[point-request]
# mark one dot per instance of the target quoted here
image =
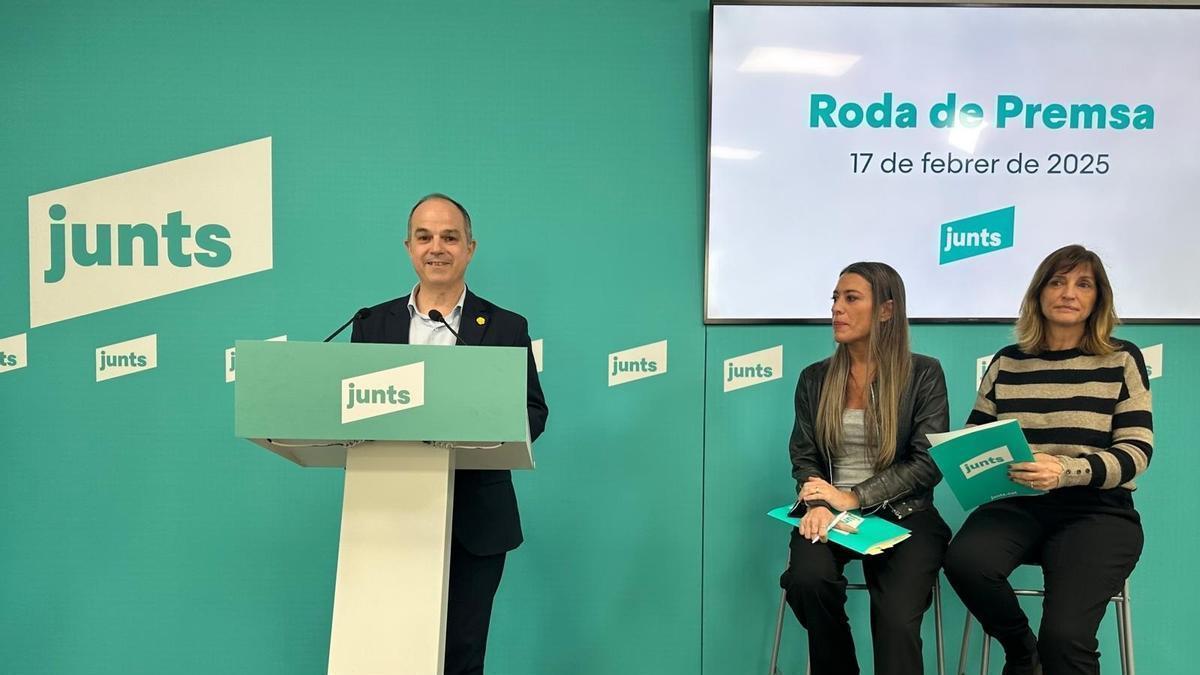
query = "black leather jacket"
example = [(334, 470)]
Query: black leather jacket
[(905, 486)]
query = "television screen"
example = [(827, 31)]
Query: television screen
[(961, 145)]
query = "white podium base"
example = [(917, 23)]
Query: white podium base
[(389, 606)]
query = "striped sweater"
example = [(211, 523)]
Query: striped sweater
[(1091, 412)]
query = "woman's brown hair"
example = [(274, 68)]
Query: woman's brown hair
[(1031, 323)]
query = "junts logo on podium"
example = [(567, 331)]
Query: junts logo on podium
[(383, 392), (149, 232)]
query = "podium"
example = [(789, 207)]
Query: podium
[(400, 419)]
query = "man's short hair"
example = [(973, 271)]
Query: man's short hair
[(438, 195)]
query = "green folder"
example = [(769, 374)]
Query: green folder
[(975, 461), (874, 536)]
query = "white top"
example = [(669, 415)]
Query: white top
[(423, 330), (854, 462)]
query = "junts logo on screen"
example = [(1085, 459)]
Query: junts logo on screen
[(150, 232), (976, 235), (985, 460)]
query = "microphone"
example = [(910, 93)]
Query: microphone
[(358, 316), (437, 316)]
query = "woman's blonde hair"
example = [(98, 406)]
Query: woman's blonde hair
[(891, 359), (1031, 323)]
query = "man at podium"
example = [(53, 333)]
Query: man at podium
[(440, 310)]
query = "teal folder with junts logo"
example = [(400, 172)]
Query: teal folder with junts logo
[(974, 461), (872, 536)]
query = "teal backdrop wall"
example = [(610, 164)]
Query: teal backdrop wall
[(138, 536)]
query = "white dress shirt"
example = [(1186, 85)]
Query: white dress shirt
[(423, 330)]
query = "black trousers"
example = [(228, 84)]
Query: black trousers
[(473, 583), (1087, 544), (900, 581)]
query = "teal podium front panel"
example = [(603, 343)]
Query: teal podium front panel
[(337, 391)]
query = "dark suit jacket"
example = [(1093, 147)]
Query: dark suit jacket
[(486, 520)]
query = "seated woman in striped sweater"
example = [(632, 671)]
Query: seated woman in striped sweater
[(1083, 399)]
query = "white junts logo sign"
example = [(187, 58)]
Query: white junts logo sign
[(126, 358), (637, 363), (231, 358), (754, 368), (981, 366), (536, 347), (14, 353), (150, 232), (1154, 360)]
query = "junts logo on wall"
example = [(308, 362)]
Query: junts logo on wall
[(1154, 360), (150, 232), (231, 359), (754, 368), (126, 358), (637, 363), (13, 353)]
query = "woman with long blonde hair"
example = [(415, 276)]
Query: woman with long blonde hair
[(859, 442)]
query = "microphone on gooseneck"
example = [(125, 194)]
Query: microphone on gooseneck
[(437, 316), (358, 316)]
